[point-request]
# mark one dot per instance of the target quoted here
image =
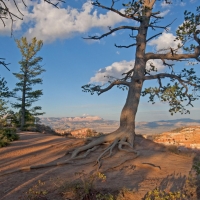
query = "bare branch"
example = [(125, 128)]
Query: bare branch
[(116, 82), (112, 31), (162, 27), (154, 14), (128, 74), (11, 15), (18, 8), (96, 3), (4, 64), (92, 89), (54, 4), (170, 56), (153, 37), (128, 46)]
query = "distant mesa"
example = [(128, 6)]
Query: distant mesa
[(105, 126), (185, 138)]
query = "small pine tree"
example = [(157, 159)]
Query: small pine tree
[(28, 77), (4, 95)]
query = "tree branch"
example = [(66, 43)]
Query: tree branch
[(162, 27), (170, 56), (91, 88), (166, 75), (4, 64), (96, 3), (174, 94), (128, 46), (112, 31), (153, 37), (5, 11)]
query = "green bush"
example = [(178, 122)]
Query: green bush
[(158, 194), (7, 135)]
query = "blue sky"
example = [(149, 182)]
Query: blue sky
[(71, 61)]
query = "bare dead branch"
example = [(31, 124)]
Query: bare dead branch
[(128, 46), (112, 31), (153, 37), (128, 74), (154, 14), (169, 55), (55, 4), (116, 82), (162, 27), (4, 64), (18, 7), (96, 3), (12, 15)]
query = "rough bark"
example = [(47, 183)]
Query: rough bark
[(23, 103)]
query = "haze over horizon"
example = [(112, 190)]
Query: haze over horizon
[(71, 61)]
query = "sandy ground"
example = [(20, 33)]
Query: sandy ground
[(155, 167)]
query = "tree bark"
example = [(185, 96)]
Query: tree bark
[(23, 102), (128, 114)]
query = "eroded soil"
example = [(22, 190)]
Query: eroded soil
[(155, 167)]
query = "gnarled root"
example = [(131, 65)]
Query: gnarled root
[(116, 138)]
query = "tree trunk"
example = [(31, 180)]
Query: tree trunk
[(23, 103), (128, 114)]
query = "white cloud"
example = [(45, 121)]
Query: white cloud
[(165, 42), (117, 52), (115, 70), (162, 14), (49, 23), (157, 63), (118, 68)]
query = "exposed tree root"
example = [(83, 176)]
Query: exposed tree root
[(151, 164), (116, 138)]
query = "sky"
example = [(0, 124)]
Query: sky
[(71, 61)]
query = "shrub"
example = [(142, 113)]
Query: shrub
[(7, 135), (158, 194)]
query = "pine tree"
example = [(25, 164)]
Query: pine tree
[(28, 77), (4, 95)]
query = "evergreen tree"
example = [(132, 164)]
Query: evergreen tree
[(28, 77), (4, 95)]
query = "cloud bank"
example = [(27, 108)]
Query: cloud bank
[(49, 23)]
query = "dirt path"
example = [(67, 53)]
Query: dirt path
[(155, 167)]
